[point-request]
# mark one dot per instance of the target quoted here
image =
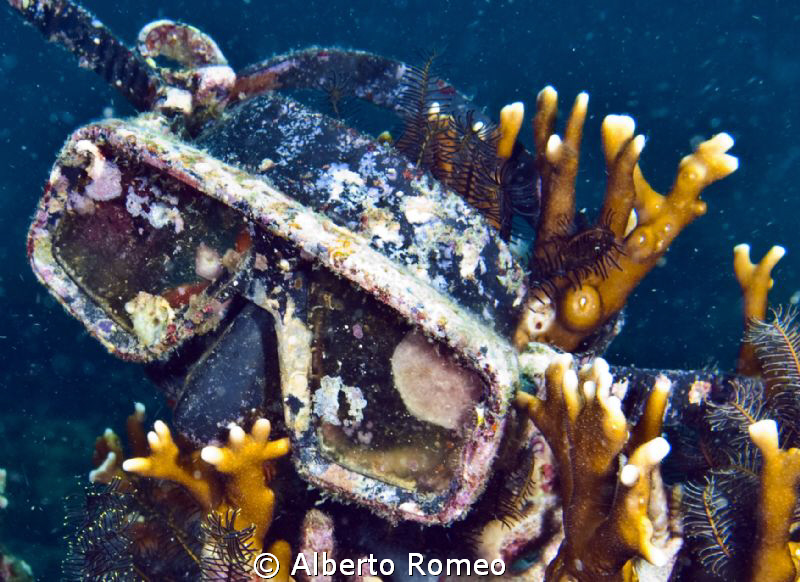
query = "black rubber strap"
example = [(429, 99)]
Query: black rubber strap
[(369, 76), (96, 47)]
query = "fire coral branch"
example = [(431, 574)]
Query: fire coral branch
[(606, 521), (585, 276)]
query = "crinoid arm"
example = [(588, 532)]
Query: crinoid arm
[(741, 517), (777, 345), (227, 552), (585, 285), (709, 522), (423, 109)]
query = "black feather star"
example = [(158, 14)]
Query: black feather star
[(721, 509), (421, 105), (228, 552), (709, 522), (339, 99), (460, 150), (746, 406), (777, 345), (99, 545), (470, 166), (575, 254), (146, 530)]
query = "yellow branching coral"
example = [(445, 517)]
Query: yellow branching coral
[(108, 454), (166, 462), (643, 223), (243, 460), (606, 521), (219, 478), (775, 558), (755, 281), (510, 123)]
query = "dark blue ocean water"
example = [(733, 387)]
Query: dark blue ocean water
[(683, 70)]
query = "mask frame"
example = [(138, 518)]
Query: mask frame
[(317, 238)]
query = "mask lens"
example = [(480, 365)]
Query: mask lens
[(389, 403), (129, 229)]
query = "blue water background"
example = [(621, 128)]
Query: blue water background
[(683, 70)]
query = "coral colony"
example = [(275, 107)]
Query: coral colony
[(361, 324)]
